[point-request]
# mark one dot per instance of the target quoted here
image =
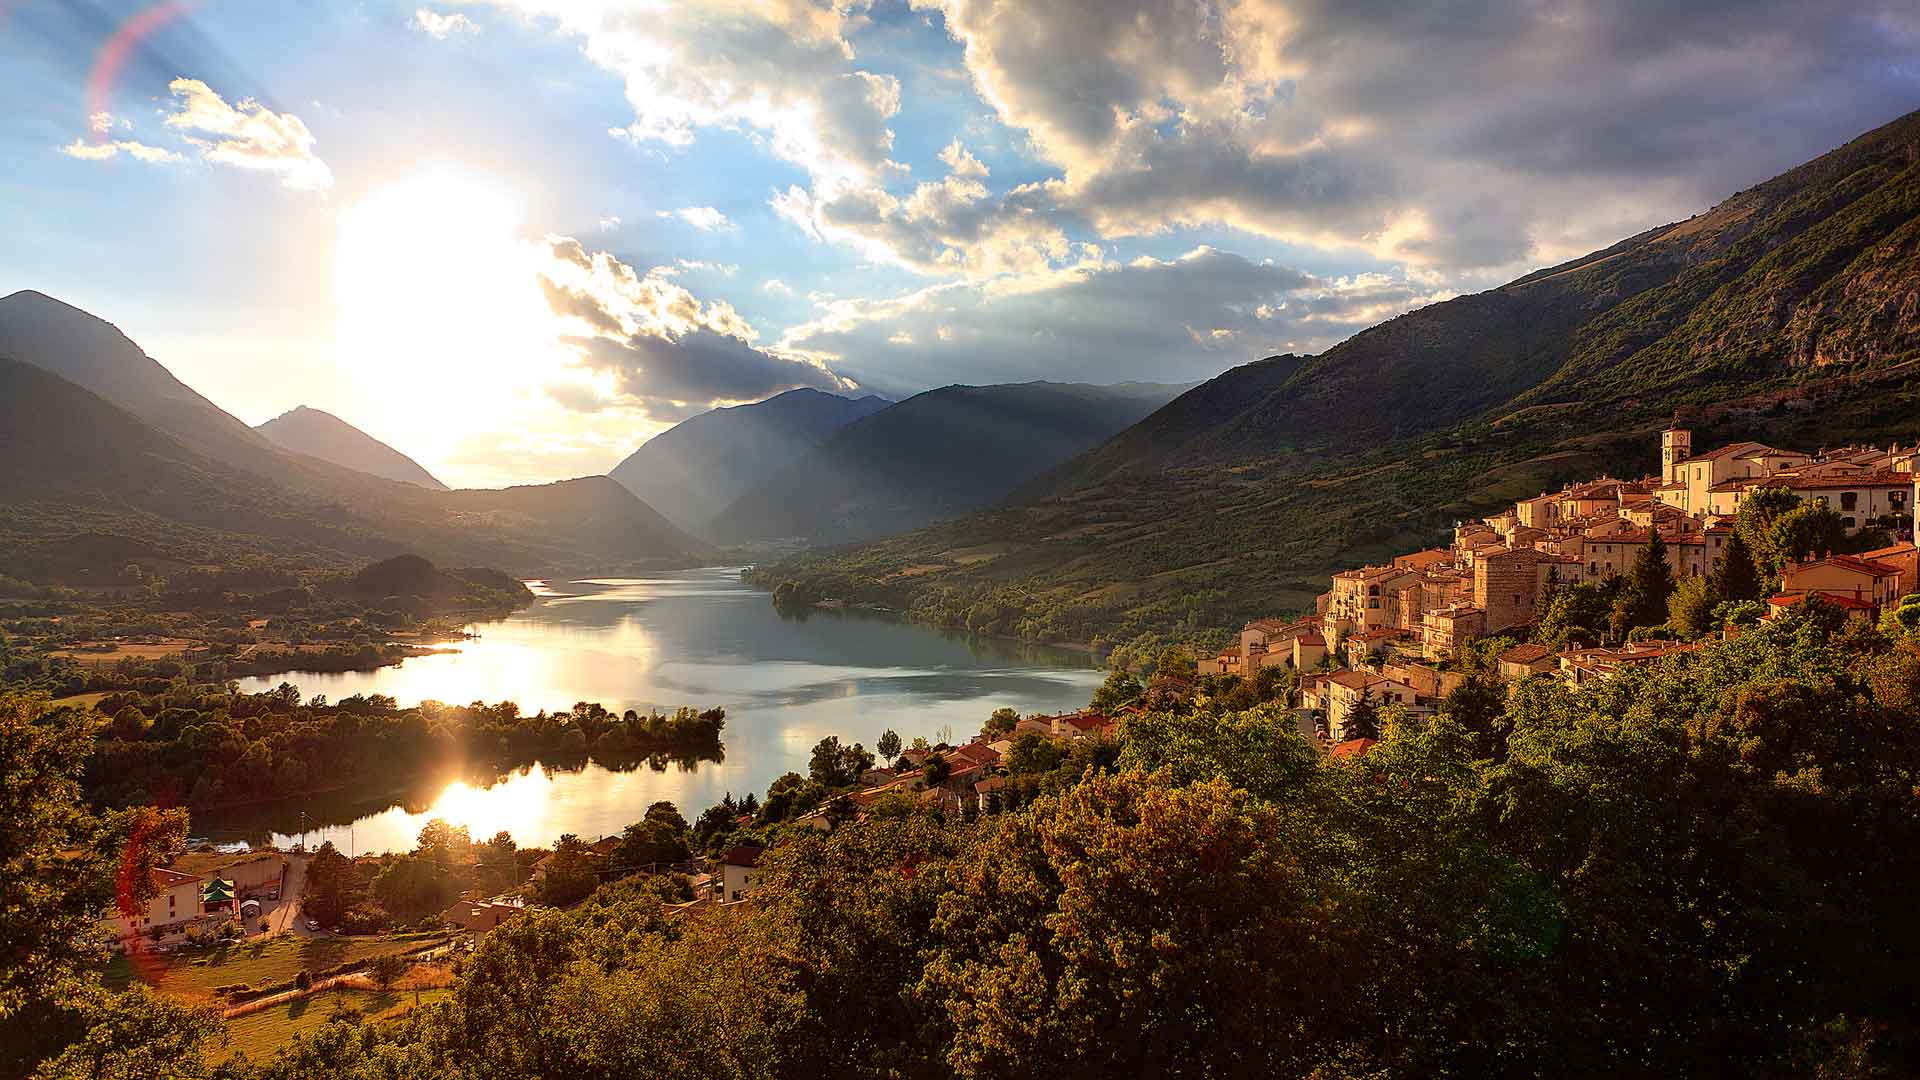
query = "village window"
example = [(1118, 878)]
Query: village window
[(1849, 500), (1896, 496), (1847, 522)]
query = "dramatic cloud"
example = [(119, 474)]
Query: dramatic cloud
[(434, 24), (248, 135), (1149, 319), (1448, 136), (782, 68), (704, 218), (666, 353)]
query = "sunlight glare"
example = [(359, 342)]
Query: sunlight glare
[(441, 314)]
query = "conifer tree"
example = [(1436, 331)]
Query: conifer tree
[(1735, 577), (1363, 718)]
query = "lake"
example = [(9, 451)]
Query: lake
[(695, 637)]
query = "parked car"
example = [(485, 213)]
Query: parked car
[(313, 926)]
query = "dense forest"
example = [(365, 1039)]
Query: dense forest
[(1702, 866), (207, 747)]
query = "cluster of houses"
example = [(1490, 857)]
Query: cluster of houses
[(181, 899), (1386, 632)]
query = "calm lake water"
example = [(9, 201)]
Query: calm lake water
[(696, 637)]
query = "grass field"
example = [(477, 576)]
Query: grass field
[(81, 699), (265, 962), (259, 1034)]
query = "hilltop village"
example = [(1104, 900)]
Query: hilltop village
[(1389, 635)]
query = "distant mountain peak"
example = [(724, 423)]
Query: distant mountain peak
[(694, 470), (320, 434)]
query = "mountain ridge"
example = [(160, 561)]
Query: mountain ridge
[(320, 434), (220, 472), (693, 470), (1786, 312), (937, 454)]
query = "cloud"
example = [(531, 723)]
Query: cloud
[(1459, 138), (947, 226), (610, 223), (434, 24), (247, 135), (776, 286), (103, 151), (660, 349), (1148, 319), (783, 68), (704, 218)]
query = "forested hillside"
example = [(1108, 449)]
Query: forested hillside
[(1660, 874), (1790, 312)]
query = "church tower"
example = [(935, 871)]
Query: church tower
[(1676, 446)]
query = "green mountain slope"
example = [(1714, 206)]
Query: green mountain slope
[(1791, 312), (695, 469), (325, 436), (935, 455)]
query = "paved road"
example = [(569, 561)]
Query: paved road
[(284, 914)]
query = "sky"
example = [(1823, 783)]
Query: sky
[(517, 238)]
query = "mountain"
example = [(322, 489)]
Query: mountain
[(933, 456), (93, 353), (132, 452), (1790, 312), (693, 470), (329, 438)]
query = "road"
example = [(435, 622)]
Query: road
[(284, 914)]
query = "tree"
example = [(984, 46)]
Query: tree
[(413, 885), (1120, 689), (387, 968), (938, 769), (571, 872), (1808, 531), (1033, 753), (1577, 616), (61, 866), (1759, 509), (889, 745), (1001, 723), (334, 885), (836, 766), (1643, 597), (1690, 608), (1479, 706), (1735, 577), (1363, 718), (442, 844)]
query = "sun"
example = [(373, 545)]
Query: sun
[(441, 317)]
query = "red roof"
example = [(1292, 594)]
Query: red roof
[(742, 855), (1846, 603), (1864, 566), (1526, 654), (167, 879), (1352, 748)]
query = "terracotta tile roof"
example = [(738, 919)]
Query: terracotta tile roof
[(1854, 563), (166, 879), (742, 855), (1848, 603), (1352, 748), (1526, 654)]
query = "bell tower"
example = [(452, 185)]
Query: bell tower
[(1676, 446)]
